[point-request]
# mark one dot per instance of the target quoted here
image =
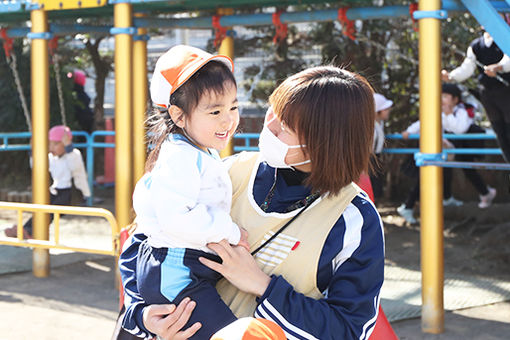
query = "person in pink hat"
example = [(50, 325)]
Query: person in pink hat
[(82, 110), (183, 201), (65, 165)]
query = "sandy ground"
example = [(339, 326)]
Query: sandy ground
[(79, 301)]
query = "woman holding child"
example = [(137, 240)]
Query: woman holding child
[(316, 239)]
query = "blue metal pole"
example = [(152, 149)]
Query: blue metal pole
[(456, 5), (489, 18), (258, 19), (90, 168), (468, 165)]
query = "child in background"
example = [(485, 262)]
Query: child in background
[(65, 165), (183, 201), (458, 119), (382, 114), (455, 120)]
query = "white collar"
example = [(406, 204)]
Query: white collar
[(487, 39)]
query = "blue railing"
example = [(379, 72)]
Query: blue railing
[(89, 145), (250, 140)]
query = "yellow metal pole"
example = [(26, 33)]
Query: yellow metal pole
[(123, 114), (227, 48), (431, 177), (140, 86), (40, 123)]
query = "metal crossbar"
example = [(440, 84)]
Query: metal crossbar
[(57, 211), (469, 165)]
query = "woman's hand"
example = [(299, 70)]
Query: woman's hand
[(166, 320), (238, 267)]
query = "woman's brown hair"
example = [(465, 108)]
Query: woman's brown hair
[(332, 110), (214, 76)]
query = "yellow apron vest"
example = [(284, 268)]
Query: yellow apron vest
[(294, 254)]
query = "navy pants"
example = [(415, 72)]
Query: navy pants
[(63, 197), (168, 275)]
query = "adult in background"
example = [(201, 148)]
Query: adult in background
[(84, 114), (483, 54)]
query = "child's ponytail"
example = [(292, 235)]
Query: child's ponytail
[(160, 125)]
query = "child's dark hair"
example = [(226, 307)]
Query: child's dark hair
[(452, 89), (214, 76)]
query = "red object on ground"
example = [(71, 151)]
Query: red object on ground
[(124, 234), (109, 157), (365, 184), (383, 330)]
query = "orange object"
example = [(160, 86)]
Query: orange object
[(109, 157), (347, 25), (250, 329), (175, 67), (281, 29), (383, 330)]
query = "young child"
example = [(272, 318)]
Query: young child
[(65, 165), (382, 114), (183, 201)]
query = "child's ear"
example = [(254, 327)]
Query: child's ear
[(177, 116)]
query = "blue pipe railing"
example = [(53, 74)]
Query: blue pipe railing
[(249, 138), (257, 19), (89, 145), (90, 157)]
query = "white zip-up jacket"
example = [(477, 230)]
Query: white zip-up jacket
[(66, 168), (457, 122), (185, 201)]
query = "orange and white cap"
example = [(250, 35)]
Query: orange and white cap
[(175, 67), (250, 329)]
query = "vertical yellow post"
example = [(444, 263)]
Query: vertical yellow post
[(227, 48), (40, 123), (123, 114), (140, 86), (431, 177)]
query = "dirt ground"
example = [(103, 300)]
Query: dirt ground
[(476, 242)]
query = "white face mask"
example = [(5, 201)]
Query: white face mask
[(273, 150)]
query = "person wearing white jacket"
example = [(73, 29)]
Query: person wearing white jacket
[(457, 120), (66, 166), (183, 201)]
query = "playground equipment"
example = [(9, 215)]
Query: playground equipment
[(126, 29), (57, 211)]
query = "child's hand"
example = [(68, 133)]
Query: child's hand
[(243, 241), (405, 135), (445, 75), (66, 140)]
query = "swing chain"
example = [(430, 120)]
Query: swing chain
[(53, 44), (56, 65), (13, 64)]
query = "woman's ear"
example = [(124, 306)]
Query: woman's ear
[(177, 116)]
